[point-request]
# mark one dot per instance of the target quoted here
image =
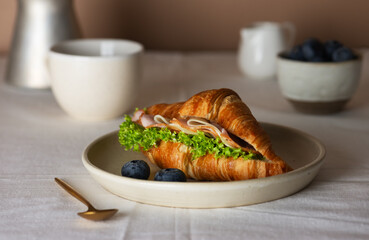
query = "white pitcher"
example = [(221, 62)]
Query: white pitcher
[(260, 45), (39, 25)]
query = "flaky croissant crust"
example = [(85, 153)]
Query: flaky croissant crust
[(226, 108), (177, 155)]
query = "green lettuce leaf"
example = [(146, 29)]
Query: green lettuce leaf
[(135, 137)]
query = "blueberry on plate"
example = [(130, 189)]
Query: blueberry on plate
[(170, 175), (342, 54), (330, 47), (312, 49), (296, 53), (136, 169)]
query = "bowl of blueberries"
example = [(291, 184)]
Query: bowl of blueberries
[(318, 77)]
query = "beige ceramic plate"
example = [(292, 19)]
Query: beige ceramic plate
[(104, 157)]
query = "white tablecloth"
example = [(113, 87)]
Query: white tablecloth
[(38, 142)]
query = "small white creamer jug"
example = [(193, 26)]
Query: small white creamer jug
[(260, 45)]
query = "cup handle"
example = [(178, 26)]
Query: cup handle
[(290, 30)]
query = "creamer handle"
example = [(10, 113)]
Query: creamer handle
[(290, 30)]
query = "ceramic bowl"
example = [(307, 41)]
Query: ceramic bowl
[(318, 88), (95, 79)]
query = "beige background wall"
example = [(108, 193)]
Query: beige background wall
[(207, 24)]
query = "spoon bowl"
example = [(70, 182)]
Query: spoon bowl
[(98, 215), (92, 213)]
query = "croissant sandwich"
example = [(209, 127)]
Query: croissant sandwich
[(211, 136)]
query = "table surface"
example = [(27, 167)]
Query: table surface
[(38, 142)]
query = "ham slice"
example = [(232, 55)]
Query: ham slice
[(191, 126)]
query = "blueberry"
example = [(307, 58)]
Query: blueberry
[(170, 175), (312, 48), (342, 54), (136, 169), (330, 47), (296, 53)]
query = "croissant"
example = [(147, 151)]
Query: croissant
[(223, 108)]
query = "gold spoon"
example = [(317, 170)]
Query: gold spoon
[(91, 213)]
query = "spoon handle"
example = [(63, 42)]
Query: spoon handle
[(73, 192)]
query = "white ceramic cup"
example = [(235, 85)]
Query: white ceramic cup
[(95, 79)]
